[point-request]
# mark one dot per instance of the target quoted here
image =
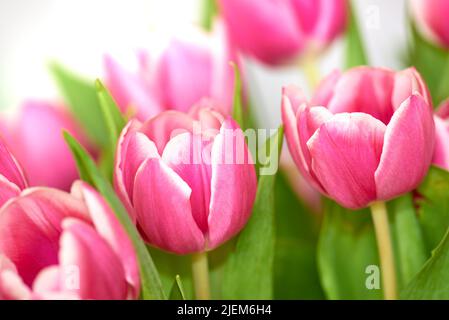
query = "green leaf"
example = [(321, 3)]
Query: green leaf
[(151, 285), (177, 291), (408, 242), (297, 229), (82, 99), (209, 10), (237, 112), (248, 274), (433, 206), (432, 282), (347, 247), (422, 52), (355, 50), (111, 114)]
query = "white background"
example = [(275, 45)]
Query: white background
[(78, 32)]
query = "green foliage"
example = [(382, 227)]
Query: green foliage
[(355, 51)]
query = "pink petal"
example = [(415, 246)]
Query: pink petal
[(345, 154), (130, 91), (8, 190), (408, 149), (441, 153), (162, 206), (364, 89), (165, 126), (112, 231), (267, 30), (30, 226), (93, 269), (325, 91), (189, 156), (406, 83), (233, 185), (12, 286), (10, 169), (120, 157), (179, 62)]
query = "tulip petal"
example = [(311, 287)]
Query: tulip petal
[(324, 92), (233, 185), (12, 287), (8, 190), (189, 156), (30, 227), (162, 206), (408, 149), (441, 153), (93, 270), (406, 83), (165, 126), (112, 231), (364, 89), (10, 169), (130, 91), (345, 154)]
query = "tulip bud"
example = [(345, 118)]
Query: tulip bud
[(12, 178), (441, 154), (56, 245), (368, 134), (431, 17), (165, 82), (188, 180), (35, 137), (277, 31)]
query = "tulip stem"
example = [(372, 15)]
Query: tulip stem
[(200, 271), (381, 226), (309, 63)]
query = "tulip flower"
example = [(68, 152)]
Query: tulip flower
[(35, 138), (431, 17), (188, 180), (12, 178), (56, 245), (441, 154), (277, 31), (188, 70), (367, 136)]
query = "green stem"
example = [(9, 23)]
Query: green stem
[(309, 64), (381, 226), (200, 271)]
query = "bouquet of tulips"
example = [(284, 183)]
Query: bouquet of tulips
[(159, 183)]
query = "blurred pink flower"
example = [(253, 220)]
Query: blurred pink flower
[(55, 245), (368, 134), (441, 155), (277, 31), (188, 180), (35, 138), (432, 19), (188, 70), (12, 178)]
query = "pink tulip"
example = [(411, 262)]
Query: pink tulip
[(441, 154), (277, 31), (12, 178), (431, 17), (35, 137), (56, 245), (367, 135), (188, 70), (188, 180)]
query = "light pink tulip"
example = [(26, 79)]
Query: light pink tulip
[(188, 70), (56, 245), (35, 138), (367, 135), (277, 31), (12, 178), (431, 17), (441, 155), (188, 180)]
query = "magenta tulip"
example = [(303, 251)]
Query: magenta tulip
[(277, 31), (188, 180), (431, 17), (12, 178), (367, 135), (56, 245), (35, 138), (188, 70)]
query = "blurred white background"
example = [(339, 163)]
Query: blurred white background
[(78, 32)]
